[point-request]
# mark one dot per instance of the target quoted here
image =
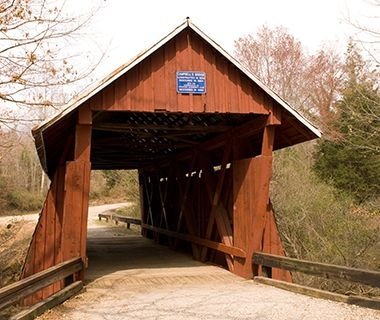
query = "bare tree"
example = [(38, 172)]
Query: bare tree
[(309, 82), (368, 31), (322, 82), (276, 57), (34, 57)]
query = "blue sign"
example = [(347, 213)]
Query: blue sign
[(191, 82)]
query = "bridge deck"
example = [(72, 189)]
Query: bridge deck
[(130, 277)]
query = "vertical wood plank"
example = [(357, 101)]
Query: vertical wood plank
[(120, 93), (160, 91), (272, 244), (50, 245), (169, 75), (143, 215), (147, 103), (183, 63), (209, 67), (86, 173), (59, 198), (197, 64)]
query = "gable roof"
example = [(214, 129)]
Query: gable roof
[(87, 94), (49, 145)]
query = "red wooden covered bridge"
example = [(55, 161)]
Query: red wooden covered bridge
[(200, 130)]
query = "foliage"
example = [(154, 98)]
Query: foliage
[(113, 177), (351, 161), (316, 222), (130, 211), (22, 200), (22, 181), (114, 185)]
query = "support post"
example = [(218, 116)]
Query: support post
[(61, 231), (77, 188), (251, 178)]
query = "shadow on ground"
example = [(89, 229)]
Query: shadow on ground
[(112, 249)]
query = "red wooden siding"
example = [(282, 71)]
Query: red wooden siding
[(61, 231), (45, 249), (272, 244), (151, 85)]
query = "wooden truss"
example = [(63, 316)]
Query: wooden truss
[(222, 205)]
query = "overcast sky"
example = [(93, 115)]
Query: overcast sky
[(124, 28)]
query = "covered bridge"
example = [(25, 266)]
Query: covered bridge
[(200, 130)]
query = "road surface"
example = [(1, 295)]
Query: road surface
[(130, 277)]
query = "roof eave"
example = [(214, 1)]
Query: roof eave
[(77, 101)]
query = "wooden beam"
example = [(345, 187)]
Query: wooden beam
[(200, 241), (75, 211), (149, 197), (299, 127), (141, 176), (272, 244), (127, 127), (268, 141), (319, 269), (25, 287), (275, 115), (49, 303), (245, 130), (85, 115), (82, 146), (185, 193), (163, 216), (372, 303), (215, 198), (184, 211), (251, 200)]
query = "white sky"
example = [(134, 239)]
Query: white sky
[(124, 28)]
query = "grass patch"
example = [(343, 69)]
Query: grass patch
[(129, 211)]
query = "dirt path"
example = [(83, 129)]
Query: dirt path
[(16, 233), (92, 214), (130, 277)]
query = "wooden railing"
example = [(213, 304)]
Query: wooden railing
[(329, 271), (19, 290), (237, 252), (119, 218)]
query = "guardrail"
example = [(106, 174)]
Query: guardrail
[(19, 290), (329, 271), (119, 218)]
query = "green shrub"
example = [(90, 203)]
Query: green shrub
[(130, 211), (24, 200), (114, 185), (319, 223)]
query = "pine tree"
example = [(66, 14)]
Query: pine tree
[(351, 161)]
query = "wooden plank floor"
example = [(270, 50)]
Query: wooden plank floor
[(145, 264)]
